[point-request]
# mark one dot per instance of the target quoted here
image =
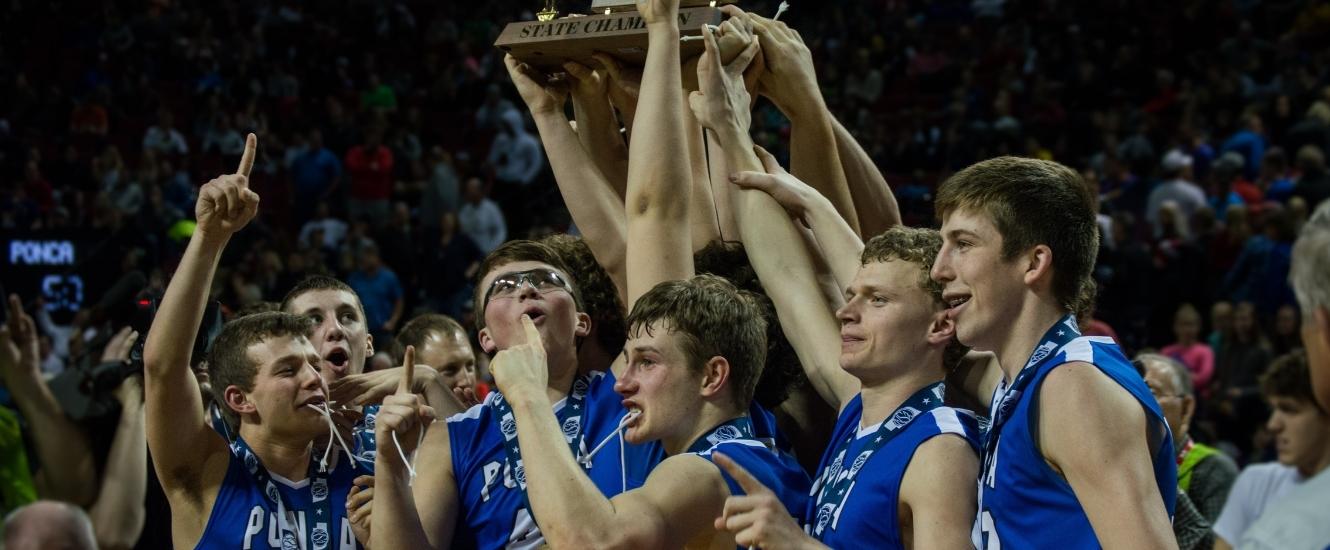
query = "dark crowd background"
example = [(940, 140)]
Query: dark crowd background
[(394, 153)]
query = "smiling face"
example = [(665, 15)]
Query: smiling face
[(886, 321), (983, 290), (659, 383), (553, 310), (286, 381), (340, 335)]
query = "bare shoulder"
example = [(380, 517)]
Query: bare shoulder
[(1087, 418), (688, 469), (1082, 387), (943, 461)]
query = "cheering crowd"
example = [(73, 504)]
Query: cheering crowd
[(731, 353)]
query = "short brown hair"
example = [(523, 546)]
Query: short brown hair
[(598, 291), (911, 244), (518, 251), (318, 282), (782, 373), (229, 363), (1288, 376), (1032, 202), (920, 247), (713, 318), (415, 331)]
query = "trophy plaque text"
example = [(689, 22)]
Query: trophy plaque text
[(616, 29)]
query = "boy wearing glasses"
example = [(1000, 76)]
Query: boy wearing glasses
[(471, 485)]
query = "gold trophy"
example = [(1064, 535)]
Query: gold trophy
[(614, 28)]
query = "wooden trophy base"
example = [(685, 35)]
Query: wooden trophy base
[(547, 45)]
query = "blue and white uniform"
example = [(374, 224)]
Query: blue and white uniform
[(1023, 503), (857, 490), (777, 470), (492, 507), (315, 509)]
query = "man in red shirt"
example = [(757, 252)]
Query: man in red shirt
[(370, 168)]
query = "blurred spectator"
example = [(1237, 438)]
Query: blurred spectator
[(1221, 324), (1276, 182), (515, 153), (324, 225), (380, 293), (164, 138), (1302, 432), (370, 168), (315, 171), (1177, 187), (1286, 337), (48, 524), (480, 217), (450, 265), (1249, 142), (1205, 473), (1239, 365), (1313, 186), (1189, 350), (441, 192)]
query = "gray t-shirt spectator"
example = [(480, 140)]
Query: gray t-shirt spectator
[(1187, 195), (484, 223)]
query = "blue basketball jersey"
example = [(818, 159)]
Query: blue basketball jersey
[(242, 517), (492, 513), (775, 469), (866, 516), (1023, 502), (364, 445)]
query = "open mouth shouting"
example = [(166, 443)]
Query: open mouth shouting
[(338, 360)]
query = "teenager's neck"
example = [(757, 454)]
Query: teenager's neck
[(280, 456), (710, 416), (562, 372), (881, 399), (1034, 319)]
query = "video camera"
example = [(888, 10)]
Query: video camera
[(85, 390)]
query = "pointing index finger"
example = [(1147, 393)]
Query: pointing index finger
[(529, 327), (408, 372), (247, 159), (750, 484)]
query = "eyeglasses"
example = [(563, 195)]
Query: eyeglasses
[(541, 279)]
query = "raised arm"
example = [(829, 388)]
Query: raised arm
[(791, 83), (597, 127), (399, 520), (785, 265), (679, 499), (659, 173), (183, 445), (67, 469), (873, 201), (596, 209), (840, 245), (119, 513)]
